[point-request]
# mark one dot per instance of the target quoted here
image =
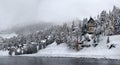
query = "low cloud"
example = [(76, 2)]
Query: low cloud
[(14, 12)]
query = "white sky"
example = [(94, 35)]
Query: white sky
[(20, 12)]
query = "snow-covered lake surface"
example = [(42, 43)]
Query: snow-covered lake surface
[(101, 51)]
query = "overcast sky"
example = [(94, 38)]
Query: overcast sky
[(14, 12)]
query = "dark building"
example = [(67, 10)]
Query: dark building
[(91, 26)]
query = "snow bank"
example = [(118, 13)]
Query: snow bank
[(4, 53), (101, 51)]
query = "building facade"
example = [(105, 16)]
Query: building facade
[(91, 26)]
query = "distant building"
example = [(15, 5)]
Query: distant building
[(91, 26)]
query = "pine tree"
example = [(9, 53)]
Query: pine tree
[(103, 21), (116, 15), (73, 26), (80, 31), (108, 40)]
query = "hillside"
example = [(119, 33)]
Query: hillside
[(28, 28), (101, 51)]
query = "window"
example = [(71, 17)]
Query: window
[(91, 29)]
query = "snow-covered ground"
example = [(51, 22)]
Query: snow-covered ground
[(4, 53), (101, 51)]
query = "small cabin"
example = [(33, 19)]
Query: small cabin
[(91, 26)]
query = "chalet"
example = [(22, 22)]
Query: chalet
[(91, 26)]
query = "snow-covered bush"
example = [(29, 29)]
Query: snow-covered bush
[(111, 45)]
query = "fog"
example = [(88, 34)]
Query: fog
[(22, 12)]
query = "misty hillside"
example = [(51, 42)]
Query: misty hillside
[(28, 28)]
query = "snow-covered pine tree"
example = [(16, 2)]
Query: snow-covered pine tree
[(116, 15), (111, 24), (103, 21), (73, 26), (84, 26), (80, 31)]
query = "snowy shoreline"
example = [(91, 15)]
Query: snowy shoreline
[(68, 56), (101, 51), (5, 54), (62, 50), (80, 56)]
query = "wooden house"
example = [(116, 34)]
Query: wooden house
[(91, 26)]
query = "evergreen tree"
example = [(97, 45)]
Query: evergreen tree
[(108, 40), (103, 21)]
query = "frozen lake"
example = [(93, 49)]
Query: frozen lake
[(17, 60)]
